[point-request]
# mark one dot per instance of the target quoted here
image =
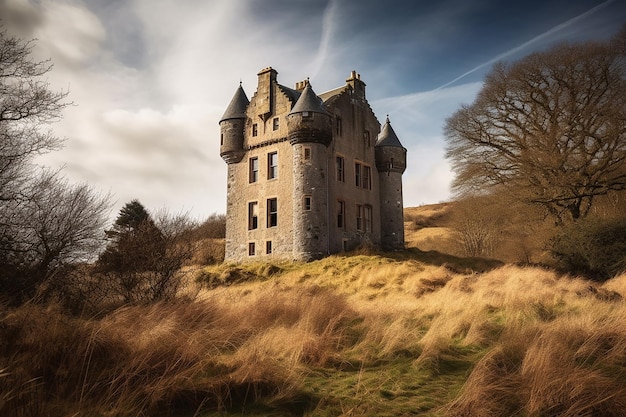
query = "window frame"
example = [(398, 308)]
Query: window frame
[(364, 218), (307, 202), (341, 214), (366, 179), (275, 124), (251, 249), (272, 170), (253, 215), (272, 212), (253, 169), (255, 130), (340, 168)]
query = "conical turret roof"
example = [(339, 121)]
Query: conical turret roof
[(237, 107), (388, 137), (308, 101)]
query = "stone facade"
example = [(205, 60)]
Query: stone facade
[(309, 175)]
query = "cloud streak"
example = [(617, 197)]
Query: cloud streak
[(529, 43), (327, 32)]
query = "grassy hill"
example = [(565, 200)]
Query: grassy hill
[(413, 333)]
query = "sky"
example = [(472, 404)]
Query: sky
[(150, 79)]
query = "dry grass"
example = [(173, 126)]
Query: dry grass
[(346, 335)]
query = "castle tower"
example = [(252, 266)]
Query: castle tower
[(390, 163), (232, 128), (310, 133)]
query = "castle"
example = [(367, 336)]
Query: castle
[(309, 175)]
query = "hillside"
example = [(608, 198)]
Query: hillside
[(392, 336), (413, 333)]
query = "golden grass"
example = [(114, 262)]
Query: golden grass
[(346, 335)]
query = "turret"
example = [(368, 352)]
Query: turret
[(308, 121), (310, 133), (390, 163), (232, 128)]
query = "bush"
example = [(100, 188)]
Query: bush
[(594, 248)]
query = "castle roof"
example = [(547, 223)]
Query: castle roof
[(237, 107), (308, 101), (292, 94), (326, 96), (387, 136)]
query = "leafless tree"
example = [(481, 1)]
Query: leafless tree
[(478, 223), (551, 128), (45, 223)]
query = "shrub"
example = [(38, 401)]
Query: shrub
[(594, 248)]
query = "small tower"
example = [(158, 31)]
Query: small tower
[(310, 133), (391, 164), (232, 128)]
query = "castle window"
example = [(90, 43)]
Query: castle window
[(221, 138), (307, 154), (366, 138), (367, 177), (341, 175), (339, 127), (362, 176), (272, 212), (364, 218), (255, 129), (253, 169), (275, 123), (306, 114), (272, 165), (253, 215), (341, 214), (268, 247), (251, 249), (306, 202)]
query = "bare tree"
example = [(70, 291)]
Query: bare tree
[(478, 223), (551, 128), (26, 105), (45, 223)]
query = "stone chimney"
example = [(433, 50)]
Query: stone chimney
[(265, 92), (357, 85)]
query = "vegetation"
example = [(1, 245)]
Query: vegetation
[(343, 336), (595, 248), (435, 330), (46, 224), (550, 129)]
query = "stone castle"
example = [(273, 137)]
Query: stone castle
[(309, 175)]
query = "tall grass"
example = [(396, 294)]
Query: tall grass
[(360, 335)]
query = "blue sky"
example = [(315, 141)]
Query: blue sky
[(151, 78)]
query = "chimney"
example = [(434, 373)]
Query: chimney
[(357, 85), (265, 92)]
